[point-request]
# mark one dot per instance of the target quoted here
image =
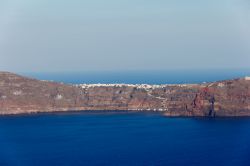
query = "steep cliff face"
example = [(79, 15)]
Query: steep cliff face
[(24, 95)]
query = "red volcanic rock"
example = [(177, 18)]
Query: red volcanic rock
[(224, 98)]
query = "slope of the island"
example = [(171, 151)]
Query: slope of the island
[(224, 98)]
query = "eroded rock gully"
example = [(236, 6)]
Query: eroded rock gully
[(223, 98)]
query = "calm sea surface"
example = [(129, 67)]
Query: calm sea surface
[(141, 77), (124, 138)]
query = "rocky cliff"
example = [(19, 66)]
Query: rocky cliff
[(223, 98)]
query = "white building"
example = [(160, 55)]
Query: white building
[(247, 78)]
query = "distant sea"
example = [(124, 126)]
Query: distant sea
[(125, 138), (141, 77)]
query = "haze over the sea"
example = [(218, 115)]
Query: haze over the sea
[(83, 35)]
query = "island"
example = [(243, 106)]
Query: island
[(20, 95)]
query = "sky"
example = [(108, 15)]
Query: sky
[(99, 35)]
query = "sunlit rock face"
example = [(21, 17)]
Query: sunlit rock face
[(224, 98)]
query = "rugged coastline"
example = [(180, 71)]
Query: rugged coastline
[(20, 95)]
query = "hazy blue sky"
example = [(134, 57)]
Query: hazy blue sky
[(81, 35)]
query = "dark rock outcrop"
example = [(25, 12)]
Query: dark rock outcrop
[(224, 98)]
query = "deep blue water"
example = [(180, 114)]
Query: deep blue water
[(122, 139)]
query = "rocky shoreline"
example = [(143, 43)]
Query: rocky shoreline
[(19, 95)]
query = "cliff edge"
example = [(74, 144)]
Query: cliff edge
[(19, 94)]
